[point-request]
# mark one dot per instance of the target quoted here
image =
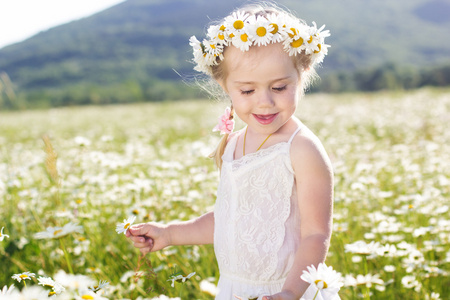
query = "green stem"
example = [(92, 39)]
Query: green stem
[(25, 283), (66, 255), (316, 294), (366, 271)]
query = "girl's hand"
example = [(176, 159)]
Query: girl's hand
[(284, 295), (149, 237)]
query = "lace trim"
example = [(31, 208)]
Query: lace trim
[(258, 155)]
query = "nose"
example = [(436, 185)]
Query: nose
[(265, 99)]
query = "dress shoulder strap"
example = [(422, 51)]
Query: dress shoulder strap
[(293, 135)]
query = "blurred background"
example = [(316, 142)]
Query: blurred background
[(138, 50)]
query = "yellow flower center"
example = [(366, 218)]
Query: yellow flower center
[(213, 46), (222, 28), (51, 293), (310, 40), (221, 36), (410, 206), (275, 28), (321, 282), (261, 31), (244, 37), (57, 232), (87, 297), (320, 48), (238, 24), (23, 276), (297, 43), (126, 225), (231, 35), (294, 32), (79, 201), (135, 211)]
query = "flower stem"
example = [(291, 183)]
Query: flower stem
[(316, 294), (25, 284), (366, 271), (66, 255)]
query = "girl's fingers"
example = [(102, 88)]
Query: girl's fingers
[(145, 244)]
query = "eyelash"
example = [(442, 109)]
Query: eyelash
[(279, 89)]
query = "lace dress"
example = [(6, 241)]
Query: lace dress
[(257, 223)]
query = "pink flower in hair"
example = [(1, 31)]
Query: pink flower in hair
[(226, 123)]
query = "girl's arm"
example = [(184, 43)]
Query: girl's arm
[(314, 177), (149, 237)]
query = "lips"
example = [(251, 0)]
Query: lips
[(265, 119)]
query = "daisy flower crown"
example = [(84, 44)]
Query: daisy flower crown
[(243, 30)]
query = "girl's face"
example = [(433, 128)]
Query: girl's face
[(263, 84)]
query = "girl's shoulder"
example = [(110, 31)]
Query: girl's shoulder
[(307, 152)]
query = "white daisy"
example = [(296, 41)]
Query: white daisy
[(7, 290), (297, 36), (202, 59), (312, 45), (101, 284), (242, 41), (208, 287), (88, 294), (212, 48), (325, 279), (58, 288), (58, 232), (47, 281), (368, 280), (73, 282), (179, 278), (218, 34), (410, 282), (319, 55), (235, 23), (22, 276), (123, 227), (3, 236), (361, 247), (259, 28), (278, 23)]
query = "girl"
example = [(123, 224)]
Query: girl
[(273, 212)]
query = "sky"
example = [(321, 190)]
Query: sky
[(21, 19)]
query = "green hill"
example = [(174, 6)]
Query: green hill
[(130, 52)]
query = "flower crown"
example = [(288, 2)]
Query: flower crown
[(242, 31)]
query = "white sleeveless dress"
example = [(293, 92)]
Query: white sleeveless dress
[(257, 225)]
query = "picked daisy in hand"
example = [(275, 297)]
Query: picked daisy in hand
[(3, 236), (123, 227), (326, 280), (58, 232)]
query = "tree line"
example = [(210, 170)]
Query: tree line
[(386, 77)]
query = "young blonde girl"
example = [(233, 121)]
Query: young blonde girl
[(273, 213)]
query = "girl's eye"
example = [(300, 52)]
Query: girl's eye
[(279, 89), (247, 92)]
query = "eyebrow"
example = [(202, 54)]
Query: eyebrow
[(252, 82)]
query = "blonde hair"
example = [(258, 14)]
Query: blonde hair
[(302, 62)]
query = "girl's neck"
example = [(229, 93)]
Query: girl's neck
[(254, 139)]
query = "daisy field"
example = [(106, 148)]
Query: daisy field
[(72, 180)]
